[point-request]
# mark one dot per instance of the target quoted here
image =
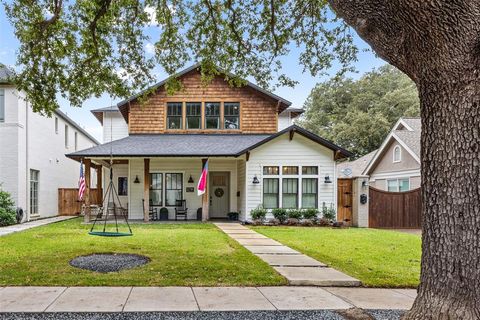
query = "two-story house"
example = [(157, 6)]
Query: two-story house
[(32, 152), (158, 148)]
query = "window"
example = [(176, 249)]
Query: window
[(194, 115), (270, 193), (66, 136), (397, 154), (156, 189), (398, 185), (174, 115), (34, 181), (309, 192), (173, 188), (310, 170), (289, 193), (270, 170), (122, 186), (76, 140), (212, 115), (231, 111), (56, 125), (290, 170), (2, 105)]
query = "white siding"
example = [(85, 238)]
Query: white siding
[(114, 126), (284, 120), (298, 152), (241, 188), (28, 135)]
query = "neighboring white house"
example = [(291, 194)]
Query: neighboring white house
[(32, 152), (157, 148)]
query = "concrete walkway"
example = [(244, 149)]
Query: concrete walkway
[(297, 268), (150, 299), (32, 224)]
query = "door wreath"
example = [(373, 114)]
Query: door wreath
[(219, 192)]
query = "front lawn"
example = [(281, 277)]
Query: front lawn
[(379, 258), (181, 255)]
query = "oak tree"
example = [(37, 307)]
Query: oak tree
[(78, 49)]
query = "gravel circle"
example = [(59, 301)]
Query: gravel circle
[(109, 262)]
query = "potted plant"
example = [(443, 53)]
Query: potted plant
[(163, 213), (233, 216)]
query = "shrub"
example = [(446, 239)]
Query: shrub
[(310, 213), (329, 213), (292, 221), (7, 209), (295, 214), (323, 222), (307, 223), (259, 213), (280, 214)]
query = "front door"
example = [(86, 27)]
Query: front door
[(219, 194)]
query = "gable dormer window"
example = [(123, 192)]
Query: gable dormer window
[(212, 115), (174, 115), (194, 115), (231, 115), (397, 154)]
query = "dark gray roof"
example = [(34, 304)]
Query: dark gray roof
[(195, 145), (122, 105), (76, 125), (411, 138), (356, 166), (5, 74)]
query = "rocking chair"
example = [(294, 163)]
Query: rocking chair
[(181, 209)]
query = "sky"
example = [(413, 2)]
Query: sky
[(297, 95)]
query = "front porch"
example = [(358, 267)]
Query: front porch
[(150, 188)]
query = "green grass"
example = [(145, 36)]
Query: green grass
[(379, 258), (181, 255)]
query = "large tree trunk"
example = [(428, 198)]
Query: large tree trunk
[(437, 44), (450, 281)]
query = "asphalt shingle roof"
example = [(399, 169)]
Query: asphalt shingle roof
[(356, 166), (411, 138), (174, 145), (5, 74)]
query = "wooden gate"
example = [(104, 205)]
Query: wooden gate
[(344, 200), (68, 204), (395, 209)]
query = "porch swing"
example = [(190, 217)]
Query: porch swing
[(110, 209)]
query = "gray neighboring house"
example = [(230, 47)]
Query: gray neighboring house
[(395, 166)]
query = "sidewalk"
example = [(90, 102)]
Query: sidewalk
[(297, 268), (32, 224), (174, 299)]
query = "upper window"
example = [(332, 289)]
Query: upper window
[(56, 125), (270, 170), (290, 170), (34, 181), (194, 115), (2, 105), (231, 115), (76, 140), (122, 186), (397, 154), (66, 136), (174, 115), (212, 115)]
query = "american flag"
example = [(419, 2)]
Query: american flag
[(81, 183)]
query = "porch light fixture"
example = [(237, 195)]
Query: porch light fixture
[(327, 179), (255, 180), (365, 183), (190, 180), (136, 180)]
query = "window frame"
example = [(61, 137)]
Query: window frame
[(181, 188), (75, 138), (277, 194), (2, 105), (219, 117), (162, 189), (67, 142), (190, 116), (297, 202), (398, 184), (181, 116), (397, 147), (122, 194), (316, 193), (34, 200), (230, 116), (56, 125)]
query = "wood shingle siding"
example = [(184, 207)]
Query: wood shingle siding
[(258, 112)]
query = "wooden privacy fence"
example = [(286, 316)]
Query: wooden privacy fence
[(68, 204), (395, 209)]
